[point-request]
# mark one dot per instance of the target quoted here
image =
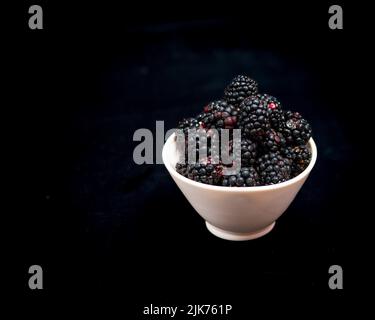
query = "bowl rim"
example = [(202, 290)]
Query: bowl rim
[(301, 176)]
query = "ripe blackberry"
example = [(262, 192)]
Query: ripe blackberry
[(201, 172), (205, 119), (254, 117), (287, 152), (247, 177), (184, 142), (188, 123), (296, 130), (240, 88), (273, 168), (219, 114), (301, 159), (273, 141), (249, 152), (276, 114)]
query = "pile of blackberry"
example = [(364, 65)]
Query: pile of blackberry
[(273, 140)]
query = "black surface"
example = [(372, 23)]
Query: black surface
[(100, 224)]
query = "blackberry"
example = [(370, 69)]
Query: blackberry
[(276, 115), (273, 141), (277, 119), (272, 102), (247, 177), (201, 146), (287, 152), (206, 119), (218, 114), (296, 130), (240, 88), (274, 168), (248, 152), (254, 117), (188, 123), (301, 159), (201, 172)]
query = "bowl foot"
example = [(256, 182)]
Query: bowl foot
[(236, 236)]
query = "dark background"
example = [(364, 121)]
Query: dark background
[(102, 226)]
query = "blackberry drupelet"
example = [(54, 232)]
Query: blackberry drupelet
[(239, 89), (247, 177), (273, 141), (273, 168), (201, 172), (254, 117), (296, 130)]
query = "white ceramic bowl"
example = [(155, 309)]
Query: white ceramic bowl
[(235, 213)]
